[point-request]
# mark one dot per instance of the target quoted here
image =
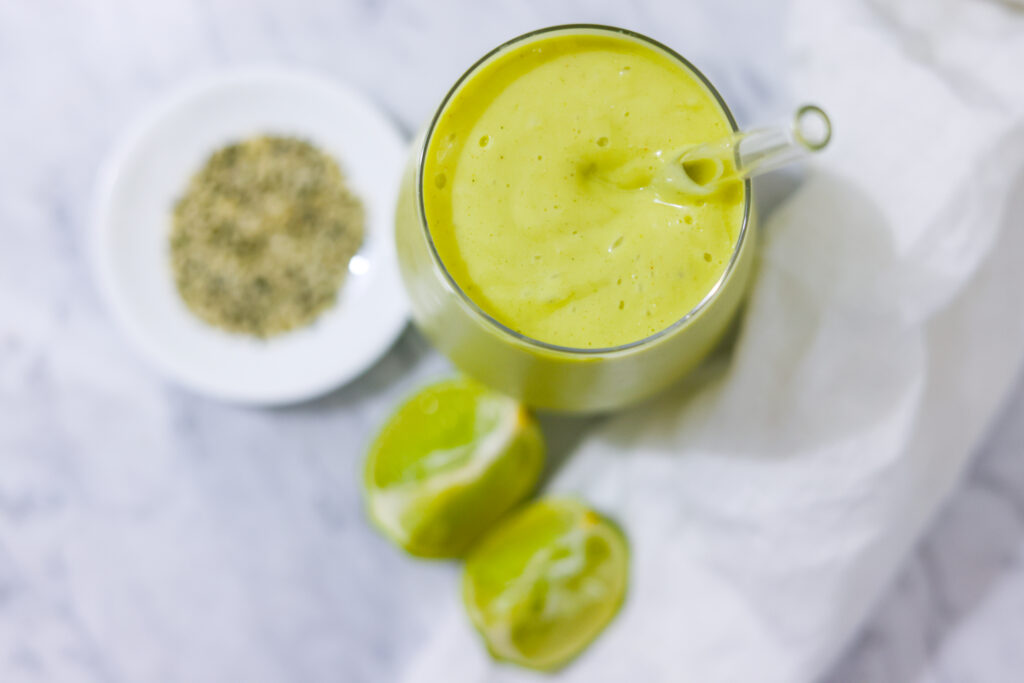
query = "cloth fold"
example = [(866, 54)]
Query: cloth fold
[(770, 498)]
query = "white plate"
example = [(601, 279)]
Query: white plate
[(141, 182)]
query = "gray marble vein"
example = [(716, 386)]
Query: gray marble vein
[(148, 534)]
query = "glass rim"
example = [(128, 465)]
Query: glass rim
[(486, 317)]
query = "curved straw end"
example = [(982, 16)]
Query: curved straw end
[(812, 127)]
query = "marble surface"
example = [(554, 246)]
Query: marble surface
[(147, 534)]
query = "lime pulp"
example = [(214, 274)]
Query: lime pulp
[(545, 582), (448, 464)]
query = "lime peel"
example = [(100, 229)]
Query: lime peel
[(541, 586), (452, 459), (387, 505)]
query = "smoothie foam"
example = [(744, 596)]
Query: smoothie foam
[(538, 194)]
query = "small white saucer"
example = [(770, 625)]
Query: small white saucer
[(141, 182)]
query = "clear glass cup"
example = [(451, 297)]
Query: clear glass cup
[(545, 375)]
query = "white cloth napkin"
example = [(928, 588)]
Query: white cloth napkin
[(771, 498)]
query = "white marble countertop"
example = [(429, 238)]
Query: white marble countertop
[(147, 534)]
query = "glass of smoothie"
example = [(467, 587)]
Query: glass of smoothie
[(542, 248)]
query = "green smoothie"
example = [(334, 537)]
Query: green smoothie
[(539, 196)]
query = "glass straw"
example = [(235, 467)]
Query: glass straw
[(700, 169)]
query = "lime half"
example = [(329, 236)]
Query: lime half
[(542, 585), (452, 459)]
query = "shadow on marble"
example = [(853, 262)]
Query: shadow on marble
[(562, 434), (408, 351), (772, 189)]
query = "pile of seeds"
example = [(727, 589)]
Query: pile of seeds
[(262, 238)]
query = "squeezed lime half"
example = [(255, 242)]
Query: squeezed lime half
[(448, 464), (545, 582)]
